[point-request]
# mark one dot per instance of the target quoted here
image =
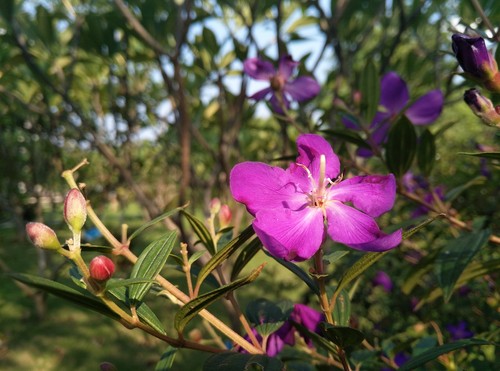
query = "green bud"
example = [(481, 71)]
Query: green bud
[(75, 210), (42, 236)]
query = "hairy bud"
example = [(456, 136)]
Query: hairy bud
[(75, 210), (42, 236)]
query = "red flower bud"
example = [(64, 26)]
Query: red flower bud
[(101, 268), (225, 216), (42, 236), (75, 210)]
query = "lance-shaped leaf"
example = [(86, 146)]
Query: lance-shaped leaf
[(342, 309), (426, 152), (231, 361), (457, 191), (246, 255), (455, 256), (114, 283), (433, 353), (223, 254), (150, 263), (97, 248), (167, 360), (319, 341), (65, 292), (266, 316), (194, 306), (401, 147), (143, 227), (369, 259), (341, 335), (143, 311), (201, 231), (347, 136), (370, 91), (487, 155)]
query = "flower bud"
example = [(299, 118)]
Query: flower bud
[(101, 268), (214, 206), (225, 216), (75, 210), (482, 107), (476, 60), (42, 236), (107, 366)]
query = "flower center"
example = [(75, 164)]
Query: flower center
[(277, 82)]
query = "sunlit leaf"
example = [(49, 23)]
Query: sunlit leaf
[(150, 263), (167, 360), (246, 255), (153, 222), (201, 231)]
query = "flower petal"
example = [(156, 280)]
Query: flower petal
[(311, 147), (260, 186), (276, 104), (261, 94), (394, 93), (383, 243), (286, 66), (426, 109), (258, 69), (290, 235), (302, 88), (350, 226), (372, 194)]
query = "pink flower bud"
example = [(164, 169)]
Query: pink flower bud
[(101, 268), (214, 206), (42, 236), (75, 210), (225, 216)]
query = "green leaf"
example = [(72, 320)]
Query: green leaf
[(410, 232), (223, 254), (266, 316), (167, 360), (230, 361), (426, 152), (347, 136), (150, 263), (113, 283), (86, 247), (7, 9), (342, 309), (246, 255), (401, 146), (487, 155), (143, 311), (295, 269), (370, 91), (210, 41), (341, 335), (335, 256), (196, 256), (201, 231), (301, 22), (65, 292), (457, 191), (474, 270), (455, 256), (318, 340), (153, 222), (189, 310), (433, 353)]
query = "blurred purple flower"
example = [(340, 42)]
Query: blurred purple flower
[(394, 98), (382, 279), (484, 166), (399, 359), (291, 206), (285, 335), (476, 61), (283, 88), (459, 331), (417, 184)]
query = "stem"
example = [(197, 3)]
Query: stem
[(323, 297), (187, 268), (122, 249)]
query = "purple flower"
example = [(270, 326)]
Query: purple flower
[(459, 331), (285, 335), (295, 208), (394, 98), (474, 57), (382, 279), (283, 89)]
